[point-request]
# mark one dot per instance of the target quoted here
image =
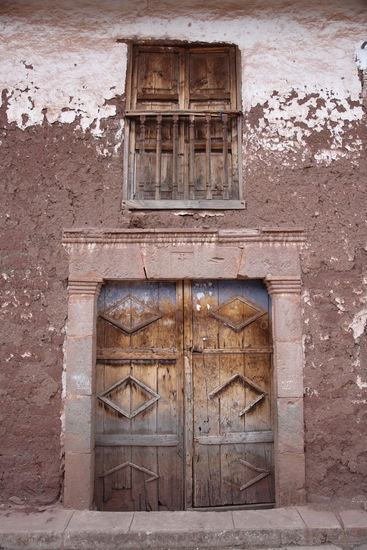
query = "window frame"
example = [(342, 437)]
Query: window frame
[(179, 204)]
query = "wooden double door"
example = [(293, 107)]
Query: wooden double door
[(184, 396)]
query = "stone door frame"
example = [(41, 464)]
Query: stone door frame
[(175, 254)]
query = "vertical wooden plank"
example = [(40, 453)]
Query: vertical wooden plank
[(191, 193), (185, 76), (235, 166), (167, 423), (169, 406), (225, 156), (206, 374), (175, 157), (178, 501), (207, 465), (158, 158), (187, 308), (134, 84), (235, 97), (208, 148), (205, 326), (141, 182)]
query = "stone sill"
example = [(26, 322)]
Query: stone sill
[(207, 204)]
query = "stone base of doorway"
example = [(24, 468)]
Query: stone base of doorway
[(286, 528)]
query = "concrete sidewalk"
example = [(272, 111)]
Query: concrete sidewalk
[(61, 529)]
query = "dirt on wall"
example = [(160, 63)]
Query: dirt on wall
[(55, 177)]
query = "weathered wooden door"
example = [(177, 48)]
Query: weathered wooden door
[(149, 335), (232, 413), (139, 432)]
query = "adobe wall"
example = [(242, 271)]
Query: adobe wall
[(304, 164)]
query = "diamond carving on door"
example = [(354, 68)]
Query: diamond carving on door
[(238, 312), (122, 384), (153, 424), (130, 315), (246, 382)]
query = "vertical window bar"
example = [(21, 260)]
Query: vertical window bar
[(208, 159), (175, 157), (158, 159), (225, 156), (141, 182), (192, 156)]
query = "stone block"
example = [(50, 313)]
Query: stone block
[(287, 317), (355, 525), (78, 488), (43, 531), (290, 427), (288, 360), (196, 261), (272, 527), (181, 521), (96, 530), (290, 479), (80, 365), (79, 424), (318, 519), (107, 260), (322, 525), (263, 260), (182, 530), (81, 315)]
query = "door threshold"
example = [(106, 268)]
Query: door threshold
[(264, 506)]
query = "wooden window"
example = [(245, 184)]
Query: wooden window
[(183, 128)]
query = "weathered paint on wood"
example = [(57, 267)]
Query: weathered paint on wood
[(181, 147), (138, 361), (232, 411), (184, 407)]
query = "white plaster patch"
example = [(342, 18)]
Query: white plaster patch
[(63, 63), (339, 304), (289, 119), (360, 384), (306, 297), (358, 323), (361, 55), (62, 85)]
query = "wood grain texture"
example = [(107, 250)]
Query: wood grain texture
[(181, 147), (232, 394), (184, 402), (133, 439)]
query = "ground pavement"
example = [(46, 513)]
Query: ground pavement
[(295, 528)]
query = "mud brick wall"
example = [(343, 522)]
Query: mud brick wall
[(304, 164)]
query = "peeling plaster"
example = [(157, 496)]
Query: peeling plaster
[(361, 55), (359, 323), (360, 384), (62, 86), (64, 65)]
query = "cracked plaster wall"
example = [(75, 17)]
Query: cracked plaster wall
[(304, 163)]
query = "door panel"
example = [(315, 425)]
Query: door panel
[(233, 438), (140, 387), (139, 398)]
